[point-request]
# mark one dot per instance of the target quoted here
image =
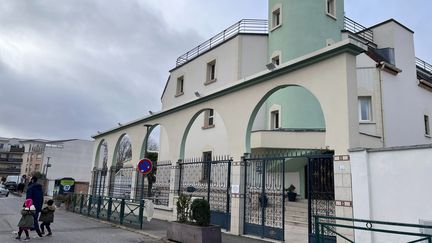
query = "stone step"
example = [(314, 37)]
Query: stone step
[(296, 223), (297, 204), (296, 218), (293, 212)]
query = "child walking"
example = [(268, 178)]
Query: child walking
[(47, 217), (27, 220)]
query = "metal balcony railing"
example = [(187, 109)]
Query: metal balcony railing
[(249, 26), (358, 29), (424, 65)]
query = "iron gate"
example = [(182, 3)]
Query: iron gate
[(209, 178), (264, 197), (98, 181), (321, 195), (160, 189), (120, 181)]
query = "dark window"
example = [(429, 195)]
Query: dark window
[(426, 125)]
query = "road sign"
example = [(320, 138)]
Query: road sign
[(145, 166)]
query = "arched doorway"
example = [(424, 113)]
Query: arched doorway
[(100, 170), (120, 175)]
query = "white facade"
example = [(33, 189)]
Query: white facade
[(68, 158)]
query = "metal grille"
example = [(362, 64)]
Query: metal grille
[(120, 181), (321, 192), (99, 181), (211, 181), (160, 189)]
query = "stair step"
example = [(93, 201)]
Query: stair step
[(296, 223), (296, 213), (295, 218)]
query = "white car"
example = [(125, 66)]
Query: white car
[(4, 191)]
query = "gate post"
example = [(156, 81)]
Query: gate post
[(237, 196)]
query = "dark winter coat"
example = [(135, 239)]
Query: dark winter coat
[(47, 214), (35, 192), (27, 218)]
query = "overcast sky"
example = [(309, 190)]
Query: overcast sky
[(71, 68)]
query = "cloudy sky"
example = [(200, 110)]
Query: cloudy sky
[(71, 68)]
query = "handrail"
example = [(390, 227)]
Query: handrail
[(358, 29), (423, 65), (370, 225), (249, 26)]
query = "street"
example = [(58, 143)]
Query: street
[(67, 227)]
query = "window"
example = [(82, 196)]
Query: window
[(180, 84), (211, 72), (331, 7), (274, 120), (276, 60), (207, 158), (365, 108), (208, 119), (426, 125), (276, 17)]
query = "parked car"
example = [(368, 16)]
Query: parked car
[(4, 191), (11, 185)]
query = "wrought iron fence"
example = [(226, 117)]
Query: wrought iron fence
[(250, 26), (160, 189), (119, 210), (120, 182), (211, 180), (416, 232), (98, 186)]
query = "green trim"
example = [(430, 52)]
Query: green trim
[(348, 48), (186, 132)]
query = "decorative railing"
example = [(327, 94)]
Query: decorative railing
[(423, 65), (332, 224), (358, 29), (249, 26)]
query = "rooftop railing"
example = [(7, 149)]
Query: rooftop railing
[(358, 29), (246, 26), (423, 65)]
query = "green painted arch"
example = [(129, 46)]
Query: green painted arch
[(114, 160), (186, 132), (144, 143), (263, 100), (97, 157)]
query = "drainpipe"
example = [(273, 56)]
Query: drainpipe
[(381, 67)]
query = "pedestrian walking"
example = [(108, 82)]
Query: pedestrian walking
[(26, 221), (47, 217), (35, 192)]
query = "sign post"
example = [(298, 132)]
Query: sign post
[(145, 167)]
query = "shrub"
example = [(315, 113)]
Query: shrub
[(183, 208), (200, 209)]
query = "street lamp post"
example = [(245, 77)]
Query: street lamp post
[(145, 156)]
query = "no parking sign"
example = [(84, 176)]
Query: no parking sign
[(145, 166)]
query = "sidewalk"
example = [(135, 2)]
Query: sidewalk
[(156, 229)]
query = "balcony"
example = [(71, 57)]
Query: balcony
[(244, 26), (289, 138), (358, 29), (424, 66)]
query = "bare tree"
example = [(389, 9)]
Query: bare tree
[(152, 145), (124, 151)]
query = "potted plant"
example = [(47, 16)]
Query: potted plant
[(193, 223), (291, 193)]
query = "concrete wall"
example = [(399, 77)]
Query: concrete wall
[(391, 185)]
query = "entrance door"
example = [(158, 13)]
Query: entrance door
[(321, 194), (264, 197)]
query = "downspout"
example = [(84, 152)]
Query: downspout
[(381, 67)]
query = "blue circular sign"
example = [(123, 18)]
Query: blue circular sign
[(145, 166)]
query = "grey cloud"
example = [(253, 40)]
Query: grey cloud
[(69, 69)]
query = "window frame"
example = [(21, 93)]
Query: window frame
[(330, 5), (180, 86), (426, 122), (370, 109), (276, 14), (211, 72), (208, 119), (275, 108)]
